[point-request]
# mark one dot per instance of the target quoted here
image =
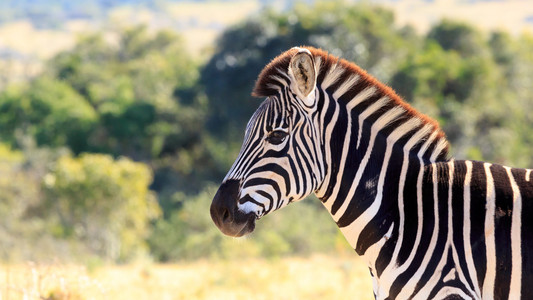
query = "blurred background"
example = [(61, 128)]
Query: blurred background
[(119, 118)]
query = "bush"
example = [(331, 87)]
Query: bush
[(103, 202), (189, 233)]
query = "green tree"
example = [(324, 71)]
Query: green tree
[(459, 37), (50, 111), (102, 202), (142, 89)]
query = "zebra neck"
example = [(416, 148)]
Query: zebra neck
[(369, 150), (356, 110), (372, 127)]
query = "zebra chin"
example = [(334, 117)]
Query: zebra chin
[(225, 213)]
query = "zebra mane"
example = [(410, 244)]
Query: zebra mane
[(345, 80)]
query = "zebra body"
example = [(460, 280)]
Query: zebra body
[(427, 226)]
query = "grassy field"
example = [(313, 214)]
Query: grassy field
[(317, 277)]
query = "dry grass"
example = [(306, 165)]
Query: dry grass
[(318, 277), (53, 281)]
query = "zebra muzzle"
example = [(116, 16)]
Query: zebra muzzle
[(226, 214)]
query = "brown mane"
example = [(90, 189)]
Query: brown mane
[(267, 81)]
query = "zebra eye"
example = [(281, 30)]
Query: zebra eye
[(276, 137)]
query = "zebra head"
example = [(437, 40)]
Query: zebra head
[(278, 162)]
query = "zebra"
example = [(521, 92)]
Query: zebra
[(428, 226)]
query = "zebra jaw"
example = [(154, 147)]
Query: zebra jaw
[(225, 213)]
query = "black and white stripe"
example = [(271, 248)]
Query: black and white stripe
[(428, 227)]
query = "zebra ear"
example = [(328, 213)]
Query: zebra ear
[(303, 76)]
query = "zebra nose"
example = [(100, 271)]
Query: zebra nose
[(225, 213), (225, 203)]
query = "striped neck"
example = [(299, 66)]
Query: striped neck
[(370, 138), (367, 120)]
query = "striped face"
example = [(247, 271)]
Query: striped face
[(278, 162)]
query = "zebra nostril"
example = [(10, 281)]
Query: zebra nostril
[(225, 216)]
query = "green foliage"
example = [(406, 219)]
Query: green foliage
[(49, 110), (459, 37), (54, 205), (14, 199), (102, 202), (136, 98), (189, 232), (430, 74), (131, 93), (135, 89), (23, 230)]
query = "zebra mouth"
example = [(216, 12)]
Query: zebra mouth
[(249, 226), (241, 225)]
